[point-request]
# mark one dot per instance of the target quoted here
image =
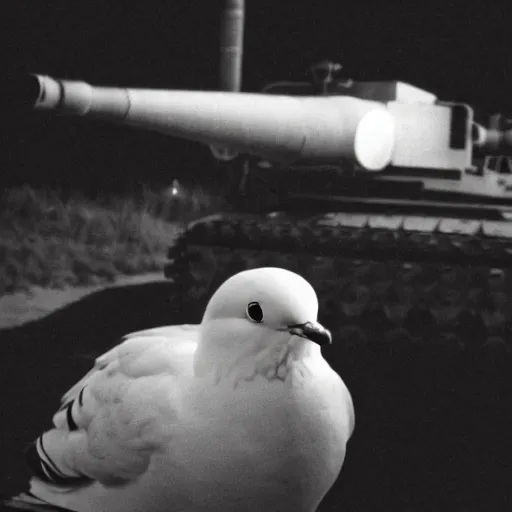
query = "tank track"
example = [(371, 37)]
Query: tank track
[(421, 319), (442, 281)]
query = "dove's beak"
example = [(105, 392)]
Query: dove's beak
[(312, 331)]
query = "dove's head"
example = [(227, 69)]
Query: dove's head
[(263, 309)]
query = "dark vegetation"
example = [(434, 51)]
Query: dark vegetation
[(56, 238)]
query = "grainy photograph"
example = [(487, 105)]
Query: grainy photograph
[(254, 256)]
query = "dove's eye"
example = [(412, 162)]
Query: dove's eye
[(254, 312)]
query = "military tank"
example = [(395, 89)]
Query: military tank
[(397, 207)]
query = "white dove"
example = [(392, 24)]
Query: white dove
[(241, 412)]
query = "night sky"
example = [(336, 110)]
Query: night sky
[(460, 51)]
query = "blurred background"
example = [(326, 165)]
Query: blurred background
[(458, 50)]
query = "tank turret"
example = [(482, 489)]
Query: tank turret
[(416, 143)]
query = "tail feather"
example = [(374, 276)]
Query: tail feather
[(44, 468), (27, 501)]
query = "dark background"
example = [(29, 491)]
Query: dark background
[(458, 50)]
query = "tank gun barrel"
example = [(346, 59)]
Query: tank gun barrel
[(280, 128)]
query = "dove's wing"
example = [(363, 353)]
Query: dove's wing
[(107, 426), (178, 343)]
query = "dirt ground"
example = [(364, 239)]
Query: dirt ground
[(21, 307)]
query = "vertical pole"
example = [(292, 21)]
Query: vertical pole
[(231, 45), (231, 53)]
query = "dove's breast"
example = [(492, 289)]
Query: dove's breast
[(287, 438), (323, 423)]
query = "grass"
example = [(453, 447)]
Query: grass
[(54, 239)]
